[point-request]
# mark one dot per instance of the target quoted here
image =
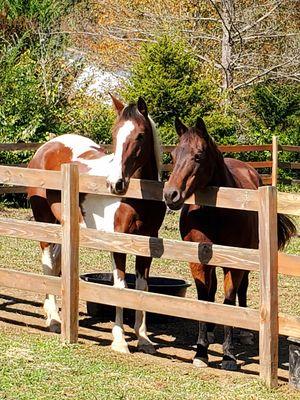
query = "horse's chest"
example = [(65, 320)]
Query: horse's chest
[(99, 212)]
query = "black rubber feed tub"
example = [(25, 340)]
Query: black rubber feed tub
[(157, 284)]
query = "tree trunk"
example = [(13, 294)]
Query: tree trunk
[(227, 14)]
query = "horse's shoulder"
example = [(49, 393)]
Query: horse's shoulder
[(244, 175)]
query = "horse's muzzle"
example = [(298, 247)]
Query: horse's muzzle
[(173, 198), (119, 187)]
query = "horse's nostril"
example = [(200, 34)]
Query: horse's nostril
[(120, 185), (175, 196)]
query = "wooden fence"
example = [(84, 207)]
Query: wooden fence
[(266, 201), (273, 164)]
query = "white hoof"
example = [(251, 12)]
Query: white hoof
[(120, 347), (211, 337), (200, 362)]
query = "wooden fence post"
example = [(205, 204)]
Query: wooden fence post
[(268, 252), (274, 160), (70, 252)]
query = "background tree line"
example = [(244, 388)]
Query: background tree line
[(234, 63)]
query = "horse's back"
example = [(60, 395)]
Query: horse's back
[(245, 176)]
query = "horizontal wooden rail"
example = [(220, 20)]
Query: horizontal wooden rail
[(19, 146), (289, 148), (240, 199), (289, 165), (233, 257), (169, 305)]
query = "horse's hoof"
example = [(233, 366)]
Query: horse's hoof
[(229, 365), (54, 325), (200, 362), (120, 347), (146, 348), (211, 337)]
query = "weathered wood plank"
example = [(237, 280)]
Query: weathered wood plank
[(170, 305), (143, 245), (30, 177), (233, 257), (268, 331), (288, 264), (274, 160), (29, 281), (289, 165), (289, 148), (19, 146), (12, 189), (288, 203), (70, 254), (289, 325), (31, 230)]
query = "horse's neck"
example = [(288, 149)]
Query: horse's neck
[(149, 170), (222, 175)]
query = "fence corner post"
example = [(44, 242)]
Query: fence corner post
[(268, 253), (274, 160), (70, 252)]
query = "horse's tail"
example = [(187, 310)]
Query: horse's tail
[(286, 230)]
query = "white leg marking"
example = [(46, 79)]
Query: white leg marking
[(144, 343), (116, 168), (51, 266), (119, 343)]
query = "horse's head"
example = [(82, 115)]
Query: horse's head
[(194, 158), (133, 141)]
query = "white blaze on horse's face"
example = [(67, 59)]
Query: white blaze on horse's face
[(115, 178)]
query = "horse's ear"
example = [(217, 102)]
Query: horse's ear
[(180, 127), (200, 125), (142, 107), (117, 104)]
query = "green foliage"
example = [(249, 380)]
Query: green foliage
[(167, 76)]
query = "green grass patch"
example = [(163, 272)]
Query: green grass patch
[(39, 368)]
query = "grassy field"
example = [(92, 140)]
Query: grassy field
[(37, 366)]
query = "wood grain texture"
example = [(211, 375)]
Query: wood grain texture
[(274, 160), (288, 264), (232, 257), (268, 331), (30, 177), (170, 305), (288, 203), (70, 253), (19, 146), (12, 189), (31, 230), (30, 282)]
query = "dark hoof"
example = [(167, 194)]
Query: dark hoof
[(229, 365), (200, 362)]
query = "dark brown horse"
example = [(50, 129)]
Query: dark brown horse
[(197, 164), (136, 154)]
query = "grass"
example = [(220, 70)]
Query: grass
[(37, 367), (33, 367)]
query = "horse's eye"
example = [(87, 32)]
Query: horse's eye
[(199, 156), (140, 137)]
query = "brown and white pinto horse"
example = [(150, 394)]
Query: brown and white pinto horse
[(136, 154), (197, 164)]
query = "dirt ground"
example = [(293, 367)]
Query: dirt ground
[(175, 338)]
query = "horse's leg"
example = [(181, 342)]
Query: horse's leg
[(232, 280), (202, 276), (119, 263), (142, 266), (211, 297), (245, 336), (51, 257)]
